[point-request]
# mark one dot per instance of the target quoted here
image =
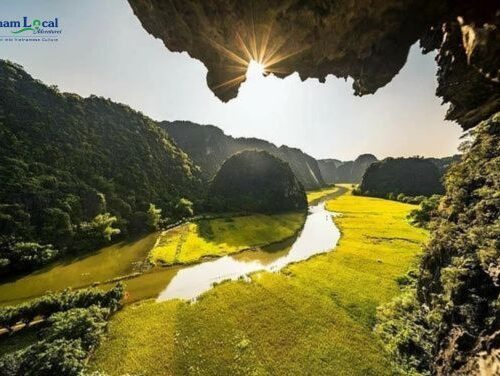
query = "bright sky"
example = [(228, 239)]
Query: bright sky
[(105, 51)]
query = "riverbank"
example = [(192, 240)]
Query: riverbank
[(323, 194), (108, 263), (314, 317), (208, 238)]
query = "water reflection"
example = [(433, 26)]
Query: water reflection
[(318, 235), (185, 282)]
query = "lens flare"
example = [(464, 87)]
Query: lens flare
[(255, 51)]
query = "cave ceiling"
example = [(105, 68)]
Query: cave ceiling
[(366, 40)]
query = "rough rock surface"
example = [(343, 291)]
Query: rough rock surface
[(367, 40)]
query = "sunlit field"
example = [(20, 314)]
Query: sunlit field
[(315, 317), (217, 237), (105, 264), (313, 196)]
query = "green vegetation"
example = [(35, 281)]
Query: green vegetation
[(400, 327), (221, 236), (409, 176), (74, 325), (447, 320), (76, 171), (414, 200), (184, 208), (45, 306), (140, 340), (319, 194), (105, 264), (427, 210), (255, 181), (209, 147), (315, 317)]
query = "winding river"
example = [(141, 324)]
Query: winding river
[(318, 235)]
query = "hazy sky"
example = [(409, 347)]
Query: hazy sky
[(105, 51)]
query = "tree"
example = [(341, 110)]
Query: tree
[(98, 231), (428, 207), (154, 217), (22, 256), (184, 208), (65, 161), (57, 226), (449, 319)]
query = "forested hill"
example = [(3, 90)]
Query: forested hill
[(65, 160), (410, 176), (209, 147), (256, 181)]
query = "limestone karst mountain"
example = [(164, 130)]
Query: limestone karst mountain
[(256, 181), (410, 176), (209, 147)]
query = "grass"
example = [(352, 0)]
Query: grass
[(314, 196), (313, 318), (191, 242), (109, 262)]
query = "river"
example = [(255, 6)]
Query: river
[(318, 235)]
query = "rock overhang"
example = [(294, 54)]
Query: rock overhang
[(367, 40)]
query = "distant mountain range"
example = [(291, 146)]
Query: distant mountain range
[(209, 147), (335, 171)]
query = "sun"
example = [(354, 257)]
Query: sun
[(256, 52), (255, 69)]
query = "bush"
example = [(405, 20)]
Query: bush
[(402, 328), (428, 209), (49, 304), (449, 321), (86, 324), (59, 357), (154, 218), (357, 192), (97, 232), (75, 325), (10, 363)]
